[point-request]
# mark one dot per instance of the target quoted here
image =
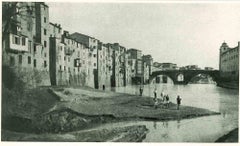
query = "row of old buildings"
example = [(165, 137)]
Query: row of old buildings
[(43, 53)]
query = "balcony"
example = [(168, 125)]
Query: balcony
[(18, 43)]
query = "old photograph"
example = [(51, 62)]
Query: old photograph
[(151, 72)]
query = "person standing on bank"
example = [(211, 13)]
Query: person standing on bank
[(155, 94), (178, 102), (141, 91), (167, 101)]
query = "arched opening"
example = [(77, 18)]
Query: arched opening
[(161, 79), (202, 78), (180, 77)]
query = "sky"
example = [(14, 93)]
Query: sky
[(181, 33)]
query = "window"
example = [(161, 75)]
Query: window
[(94, 55), (34, 48), (45, 43), (23, 41), (16, 40), (45, 63), (60, 67), (20, 59), (45, 54), (45, 19), (12, 61), (45, 32), (64, 68), (68, 59), (94, 64), (29, 60), (68, 69), (64, 58), (34, 63)]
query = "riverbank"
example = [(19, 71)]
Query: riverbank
[(229, 85), (232, 136), (79, 109)]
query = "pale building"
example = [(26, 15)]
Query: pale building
[(229, 62)]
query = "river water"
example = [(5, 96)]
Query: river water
[(202, 129)]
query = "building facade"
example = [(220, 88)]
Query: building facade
[(229, 62), (25, 40), (92, 44)]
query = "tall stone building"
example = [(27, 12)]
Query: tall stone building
[(25, 40), (92, 44), (104, 66), (118, 77), (229, 62), (147, 67), (70, 60), (135, 59)]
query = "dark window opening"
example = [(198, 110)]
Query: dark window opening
[(12, 61), (34, 48), (45, 43), (45, 63), (29, 60), (45, 32), (45, 19), (34, 63), (20, 59), (23, 41)]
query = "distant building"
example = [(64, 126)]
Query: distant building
[(165, 66), (191, 67), (208, 68), (229, 62)]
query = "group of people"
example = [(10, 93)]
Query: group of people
[(164, 98)]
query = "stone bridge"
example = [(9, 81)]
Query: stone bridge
[(185, 76)]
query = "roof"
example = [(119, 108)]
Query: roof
[(77, 33)]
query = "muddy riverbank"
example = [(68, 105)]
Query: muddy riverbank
[(232, 136), (80, 109)]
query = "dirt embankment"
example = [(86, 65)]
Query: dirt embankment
[(63, 114), (232, 136)]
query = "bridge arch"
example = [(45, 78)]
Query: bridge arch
[(190, 76), (164, 74), (185, 76)]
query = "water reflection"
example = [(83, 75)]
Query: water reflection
[(154, 124)]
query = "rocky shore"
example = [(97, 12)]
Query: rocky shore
[(76, 114)]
